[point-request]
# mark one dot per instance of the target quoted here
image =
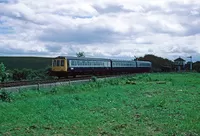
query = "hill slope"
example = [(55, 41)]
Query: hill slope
[(26, 62)]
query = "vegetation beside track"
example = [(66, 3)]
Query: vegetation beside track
[(146, 104)]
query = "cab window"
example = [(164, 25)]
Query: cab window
[(58, 62), (62, 62)]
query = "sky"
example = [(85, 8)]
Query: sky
[(100, 28)]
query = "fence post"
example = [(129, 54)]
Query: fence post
[(38, 87)]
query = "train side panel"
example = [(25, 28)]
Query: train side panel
[(123, 66), (143, 66), (88, 66)]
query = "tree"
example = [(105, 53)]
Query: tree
[(2, 72), (196, 66), (80, 54), (159, 64)]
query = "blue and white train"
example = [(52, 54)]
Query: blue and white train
[(72, 66)]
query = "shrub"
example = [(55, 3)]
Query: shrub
[(3, 74), (94, 79), (5, 96)]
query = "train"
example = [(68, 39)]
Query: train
[(64, 66)]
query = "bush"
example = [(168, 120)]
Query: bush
[(196, 66), (30, 74), (94, 79), (3, 74), (5, 96)]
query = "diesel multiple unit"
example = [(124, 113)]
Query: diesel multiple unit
[(72, 66)]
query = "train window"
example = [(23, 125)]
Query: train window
[(62, 62), (58, 62), (145, 64), (73, 63), (102, 64), (54, 63), (78, 63), (85, 63), (81, 63)]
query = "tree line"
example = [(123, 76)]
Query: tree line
[(160, 64)]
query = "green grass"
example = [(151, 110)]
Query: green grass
[(146, 104)]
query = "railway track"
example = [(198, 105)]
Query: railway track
[(26, 83)]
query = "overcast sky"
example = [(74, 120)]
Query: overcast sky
[(100, 28)]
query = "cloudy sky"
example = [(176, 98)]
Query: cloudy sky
[(100, 28)]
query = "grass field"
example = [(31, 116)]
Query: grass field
[(146, 104)]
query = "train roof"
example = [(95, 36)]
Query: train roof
[(80, 58), (87, 58)]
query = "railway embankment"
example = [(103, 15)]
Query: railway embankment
[(16, 87)]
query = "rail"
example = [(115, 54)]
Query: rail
[(34, 82)]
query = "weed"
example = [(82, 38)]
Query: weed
[(53, 90), (94, 79), (5, 96)]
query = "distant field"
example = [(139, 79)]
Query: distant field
[(146, 104), (25, 62)]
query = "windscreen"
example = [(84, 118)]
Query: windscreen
[(57, 63)]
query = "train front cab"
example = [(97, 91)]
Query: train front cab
[(59, 67)]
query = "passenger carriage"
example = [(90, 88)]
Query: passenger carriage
[(124, 66)]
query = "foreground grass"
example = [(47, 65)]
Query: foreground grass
[(147, 104)]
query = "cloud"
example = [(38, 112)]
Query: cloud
[(78, 36), (8, 1), (121, 29), (53, 48), (110, 9)]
